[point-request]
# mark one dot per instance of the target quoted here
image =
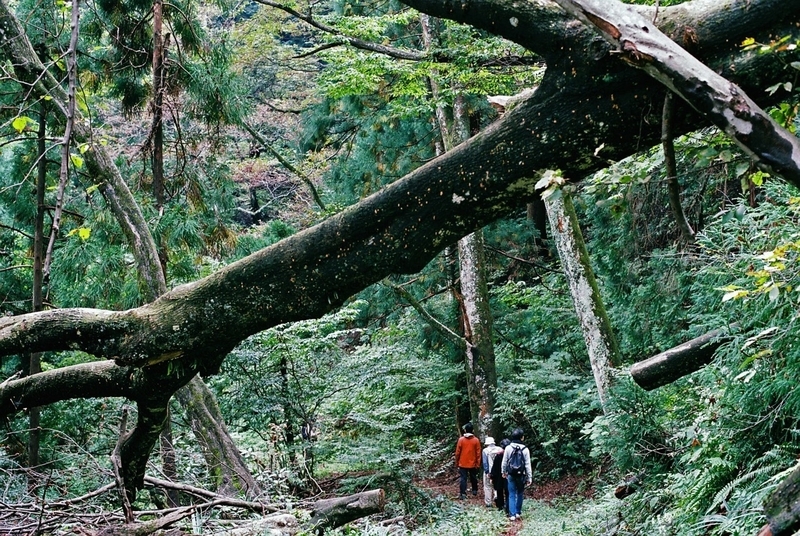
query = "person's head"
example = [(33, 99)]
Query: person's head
[(517, 434), (505, 442), (488, 441), (468, 428)]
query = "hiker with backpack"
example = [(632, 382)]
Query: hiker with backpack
[(517, 471), (468, 461), (489, 453), (498, 482)]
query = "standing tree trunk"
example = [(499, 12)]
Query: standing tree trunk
[(477, 319), (476, 316), (670, 165), (168, 457), (35, 359), (600, 341)]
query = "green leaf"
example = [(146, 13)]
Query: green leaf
[(77, 160), (82, 232), (21, 123)]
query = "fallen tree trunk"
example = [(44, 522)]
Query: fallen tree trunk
[(332, 513), (679, 361), (783, 508)]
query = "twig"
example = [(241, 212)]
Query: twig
[(220, 499), (286, 164), (116, 462), (44, 502), (459, 341)]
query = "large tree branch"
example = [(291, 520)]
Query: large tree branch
[(640, 43), (397, 229)]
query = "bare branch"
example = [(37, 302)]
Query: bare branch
[(457, 340), (285, 163), (392, 52), (72, 70)]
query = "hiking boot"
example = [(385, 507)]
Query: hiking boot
[(474, 493), (462, 497)]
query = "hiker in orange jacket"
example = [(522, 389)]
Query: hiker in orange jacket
[(468, 461)]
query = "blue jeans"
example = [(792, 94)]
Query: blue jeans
[(516, 491)]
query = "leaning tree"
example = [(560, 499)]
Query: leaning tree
[(608, 71)]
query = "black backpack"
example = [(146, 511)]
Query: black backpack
[(516, 461), (497, 466)]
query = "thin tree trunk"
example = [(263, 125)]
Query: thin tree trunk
[(477, 318), (169, 461), (35, 358), (168, 457), (72, 70), (600, 341), (158, 108), (673, 188)]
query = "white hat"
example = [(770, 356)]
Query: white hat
[(489, 441)]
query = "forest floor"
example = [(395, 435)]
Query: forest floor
[(572, 486)]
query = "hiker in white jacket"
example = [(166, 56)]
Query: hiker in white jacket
[(488, 455)]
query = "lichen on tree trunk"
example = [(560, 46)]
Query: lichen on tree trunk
[(595, 325)]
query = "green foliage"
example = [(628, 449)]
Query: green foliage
[(216, 95), (544, 383)]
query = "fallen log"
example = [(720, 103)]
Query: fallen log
[(679, 361), (782, 507), (332, 513)]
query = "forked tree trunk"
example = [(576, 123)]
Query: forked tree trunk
[(600, 341)]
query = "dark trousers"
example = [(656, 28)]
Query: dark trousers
[(473, 479), (501, 487)]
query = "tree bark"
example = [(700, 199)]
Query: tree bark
[(477, 319), (679, 361), (782, 508), (476, 315), (671, 168), (332, 513), (601, 343), (641, 44), (225, 462)]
